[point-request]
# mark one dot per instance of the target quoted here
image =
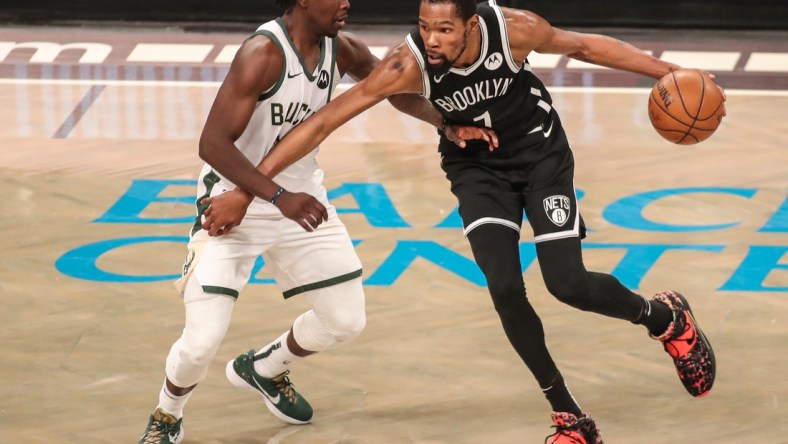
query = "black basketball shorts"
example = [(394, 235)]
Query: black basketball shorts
[(496, 187)]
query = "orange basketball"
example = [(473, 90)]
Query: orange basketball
[(686, 106)]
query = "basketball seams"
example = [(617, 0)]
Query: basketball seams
[(716, 110), (664, 110), (666, 132), (713, 113), (681, 96), (683, 86), (700, 104)]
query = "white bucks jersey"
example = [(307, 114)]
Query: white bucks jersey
[(297, 94)]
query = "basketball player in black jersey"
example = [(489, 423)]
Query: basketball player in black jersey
[(471, 62)]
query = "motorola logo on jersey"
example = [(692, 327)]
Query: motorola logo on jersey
[(494, 61), (557, 208), (322, 79)]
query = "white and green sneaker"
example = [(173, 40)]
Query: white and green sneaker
[(162, 429), (278, 392)]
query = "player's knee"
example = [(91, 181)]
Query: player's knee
[(340, 310), (346, 324), (199, 348), (571, 290), (508, 297), (505, 289)]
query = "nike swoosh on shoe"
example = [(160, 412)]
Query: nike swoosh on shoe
[(275, 400)]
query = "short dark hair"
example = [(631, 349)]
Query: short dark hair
[(465, 8), (285, 5)]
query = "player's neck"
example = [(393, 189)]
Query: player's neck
[(302, 35), (472, 50)]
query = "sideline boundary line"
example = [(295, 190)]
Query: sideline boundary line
[(345, 86)]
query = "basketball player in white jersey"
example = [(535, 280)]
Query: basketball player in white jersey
[(471, 62), (280, 76)]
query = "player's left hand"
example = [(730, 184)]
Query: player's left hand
[(225, 211), (460, 133)]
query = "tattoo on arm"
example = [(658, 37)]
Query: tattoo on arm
[(397, 66)]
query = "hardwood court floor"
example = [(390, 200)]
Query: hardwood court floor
[(82, 358)]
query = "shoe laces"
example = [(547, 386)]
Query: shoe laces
[(580, 430), (159, 428), (568, 426), (285, 386), (684, 337), (560, 431), (157, 431)]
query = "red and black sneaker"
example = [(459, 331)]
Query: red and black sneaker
[(687, 345), (569, 429)]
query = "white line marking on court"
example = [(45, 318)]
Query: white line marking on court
[(170, 53), (227, 54), (708, 60), (345, 86), (379, 51), (767, 62), (90, 82), (547, 61)]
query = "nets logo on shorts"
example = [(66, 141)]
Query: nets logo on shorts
[(557, 209)]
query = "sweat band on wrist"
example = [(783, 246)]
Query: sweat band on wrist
[(277, 195)]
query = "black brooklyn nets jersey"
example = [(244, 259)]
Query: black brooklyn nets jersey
[(495, 92)]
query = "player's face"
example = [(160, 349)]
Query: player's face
[(445, 35), (329, 15)]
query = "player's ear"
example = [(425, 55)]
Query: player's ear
[(473, 23)]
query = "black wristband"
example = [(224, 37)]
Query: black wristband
[(277, 195), (444, 124)]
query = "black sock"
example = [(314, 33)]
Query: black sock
[(656, 317), (560, 398)]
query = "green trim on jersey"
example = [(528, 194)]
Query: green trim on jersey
[(322, 284), (309, 75), (281, 80), (334, 51), (220, 290), (209, 180)]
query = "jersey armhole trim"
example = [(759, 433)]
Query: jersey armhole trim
[(425, 80), (333, 70), (507, 53), (273, 89)]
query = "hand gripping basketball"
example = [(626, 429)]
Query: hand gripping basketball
[(686, 106)]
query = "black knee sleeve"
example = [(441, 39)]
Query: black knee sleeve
[(568, 280), (497, 253)]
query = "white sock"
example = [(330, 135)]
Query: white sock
[(273, 359), (172, 404)]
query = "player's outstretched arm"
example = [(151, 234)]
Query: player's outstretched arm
[(529, 32), (398, 73)]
